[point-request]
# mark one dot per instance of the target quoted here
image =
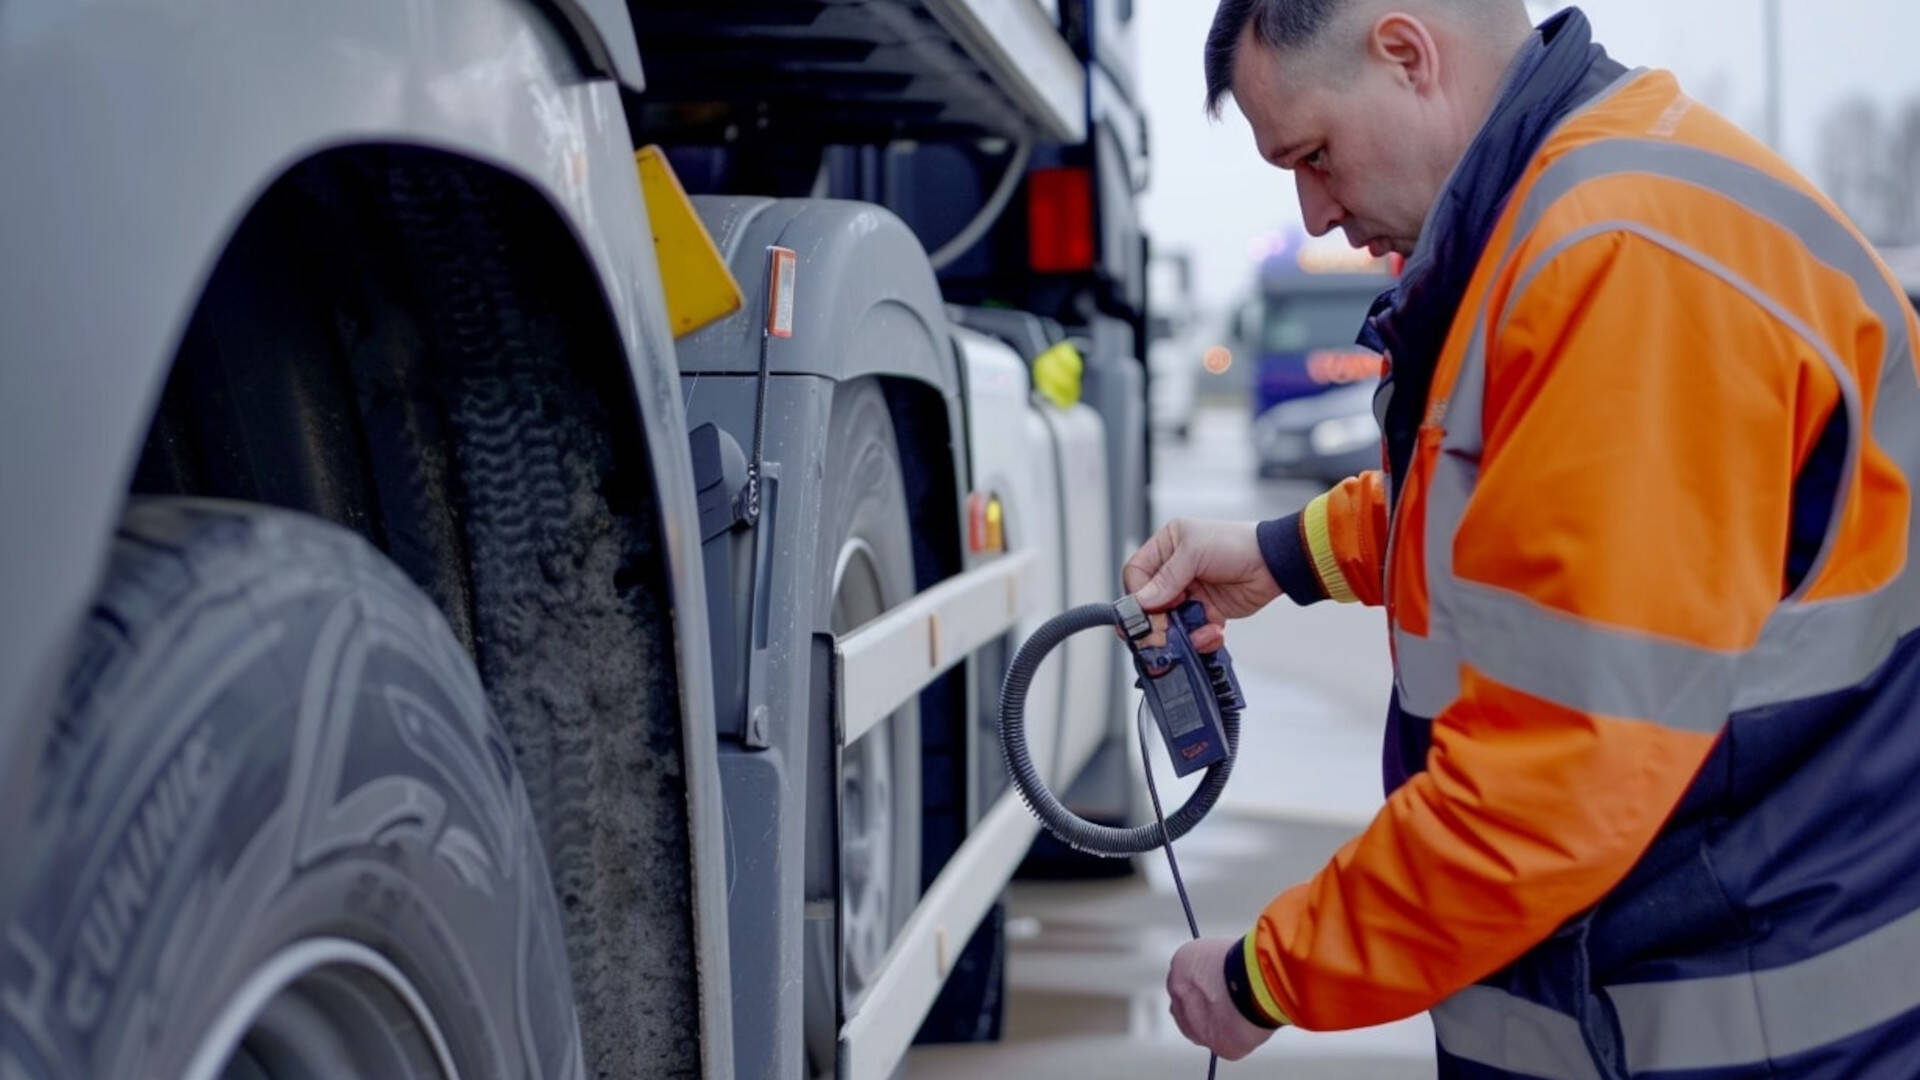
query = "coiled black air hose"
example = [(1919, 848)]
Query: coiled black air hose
[(1071, 828)]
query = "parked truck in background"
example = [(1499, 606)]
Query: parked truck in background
[(478, 602), (1312, 387)]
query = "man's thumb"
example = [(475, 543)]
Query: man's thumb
[(1167, 585)]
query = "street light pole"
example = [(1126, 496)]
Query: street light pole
[(1772, 15)]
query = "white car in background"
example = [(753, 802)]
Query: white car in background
[(1174, 369)]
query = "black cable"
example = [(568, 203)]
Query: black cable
[(1179, 883), (1073, 830)]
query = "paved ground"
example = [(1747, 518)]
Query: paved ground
[(1087, 962)]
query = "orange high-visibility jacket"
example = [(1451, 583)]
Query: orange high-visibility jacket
[(1586, 576)]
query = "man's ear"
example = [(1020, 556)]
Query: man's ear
[(1404, 42)]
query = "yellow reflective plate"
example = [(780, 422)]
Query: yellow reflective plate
[(700, 288)]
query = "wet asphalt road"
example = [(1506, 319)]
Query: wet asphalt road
[(1087, 961)]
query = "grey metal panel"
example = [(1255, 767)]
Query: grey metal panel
[(757, 786), (604, 30), (765, 790), (1115, 386), (1023, 331), (866, 304), (1017, 42), (1113, 43), (137, 136), (1114, 112), (856, 72), (861, 273)]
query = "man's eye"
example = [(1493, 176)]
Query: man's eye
[(1316, 160)]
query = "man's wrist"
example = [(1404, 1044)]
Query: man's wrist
[(1283, 546), (1247, 988)]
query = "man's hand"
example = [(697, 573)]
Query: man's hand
[(1207, 1017), (1215, 562)]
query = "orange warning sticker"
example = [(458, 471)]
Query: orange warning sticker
[(780, 271)]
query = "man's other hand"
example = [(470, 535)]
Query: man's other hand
[(1206, 1014), (1215, 562)]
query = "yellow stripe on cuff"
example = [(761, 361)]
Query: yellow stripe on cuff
[(1320, 546), (1258, 979)]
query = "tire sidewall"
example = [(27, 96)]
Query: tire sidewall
[(864, 498), (286, 745)]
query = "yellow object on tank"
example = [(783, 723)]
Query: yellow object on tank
[(1057, 372)]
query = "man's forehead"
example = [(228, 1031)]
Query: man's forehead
[(1282, 74), (1274, 91)]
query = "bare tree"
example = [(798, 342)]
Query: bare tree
[(1903, 175), (1854, 162)]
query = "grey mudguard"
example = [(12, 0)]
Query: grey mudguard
[(862, 275), (138, 135), (866, 305)]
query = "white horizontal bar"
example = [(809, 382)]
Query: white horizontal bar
[(887, 661), (1018, 44), (888, 1015)]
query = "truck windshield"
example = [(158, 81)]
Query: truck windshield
[(1319, 320)]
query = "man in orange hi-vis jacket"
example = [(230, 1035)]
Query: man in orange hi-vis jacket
[(1643, 533)]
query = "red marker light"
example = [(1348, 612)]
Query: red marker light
[(1060, 236)]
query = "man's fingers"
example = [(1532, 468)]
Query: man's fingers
[(1177, 1010), (1159, 591), (1135, 575), (1209, 638), (1146, 562), (1158, 574), (1168, 585), (1188, 1021)]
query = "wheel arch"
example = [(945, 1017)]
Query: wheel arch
[(390, 404), (867, 310), (121, 268), (127, 224), (886, 297)]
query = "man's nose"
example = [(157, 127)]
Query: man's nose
[(1320, 212)]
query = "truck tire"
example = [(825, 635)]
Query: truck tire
[(568, 578), (865, 556), (275, 830)]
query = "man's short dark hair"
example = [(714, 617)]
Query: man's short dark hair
[(1277, 24)]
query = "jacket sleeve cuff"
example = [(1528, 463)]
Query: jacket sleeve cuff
[(1283, 544), (1248, 988)]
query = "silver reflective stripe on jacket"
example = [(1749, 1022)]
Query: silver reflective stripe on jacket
[(1768, 1015), (1805, 648), (1700, 1024), (1492, 1027)]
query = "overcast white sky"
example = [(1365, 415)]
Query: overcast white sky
[(1212, 195)]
